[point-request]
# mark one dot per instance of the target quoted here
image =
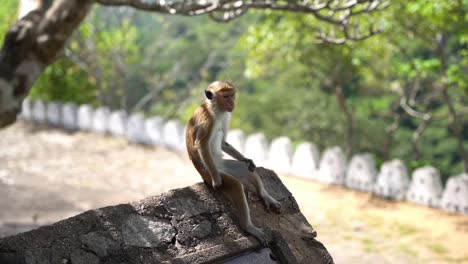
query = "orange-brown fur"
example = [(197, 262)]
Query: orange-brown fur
[(201, 116), (227, 175)]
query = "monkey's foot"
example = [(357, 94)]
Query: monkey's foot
[(271, 204), (257, 233)]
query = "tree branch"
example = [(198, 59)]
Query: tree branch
[(30, 45), (408, 109), (389, 132), (417, 135), (334, 12)]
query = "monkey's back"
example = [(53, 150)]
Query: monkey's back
[(200, 114)]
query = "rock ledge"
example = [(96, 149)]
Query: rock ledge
[(188, 225)]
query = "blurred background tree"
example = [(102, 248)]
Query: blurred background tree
[(400, 94), (7, 16)]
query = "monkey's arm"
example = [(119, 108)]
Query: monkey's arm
[(233, 152)]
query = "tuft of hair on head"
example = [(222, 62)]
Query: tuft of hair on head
[(217, 86)]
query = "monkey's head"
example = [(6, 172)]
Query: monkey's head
[(222, 95)]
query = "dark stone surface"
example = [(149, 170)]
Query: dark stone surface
[(144, 231), (189, 225), (262, 256), (98, 243), (82, 257)]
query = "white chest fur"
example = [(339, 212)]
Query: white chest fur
[(218, 134)]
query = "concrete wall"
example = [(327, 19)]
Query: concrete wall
[(332, 166), (390, 181), (361, 173)]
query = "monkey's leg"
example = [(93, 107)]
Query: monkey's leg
[(234, 190), (240, 171), (270, 202)]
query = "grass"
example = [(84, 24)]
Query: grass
[(368, 245), (408, 250), (405, 229), (438, 249), (347, 237)]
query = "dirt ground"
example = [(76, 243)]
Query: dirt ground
[(47, 175)]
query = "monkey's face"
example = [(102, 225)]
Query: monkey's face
[(226, 100)]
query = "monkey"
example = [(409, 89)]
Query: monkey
[(206, 140)]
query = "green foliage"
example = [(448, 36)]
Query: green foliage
[(423, 42), (64, 81), (284, 113), (8, 15), (93, 69), (287, 82), (193, 52)]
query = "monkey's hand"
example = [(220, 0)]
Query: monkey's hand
[(250, 163)]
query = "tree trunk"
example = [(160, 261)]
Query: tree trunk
[(415, 153), (442, 41), (30, 45), (453, 122), (349, 120), (390, 131)]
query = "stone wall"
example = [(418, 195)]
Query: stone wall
[(189, 225), (390, 181)]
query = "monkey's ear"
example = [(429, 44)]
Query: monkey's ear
[(208, 94)]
